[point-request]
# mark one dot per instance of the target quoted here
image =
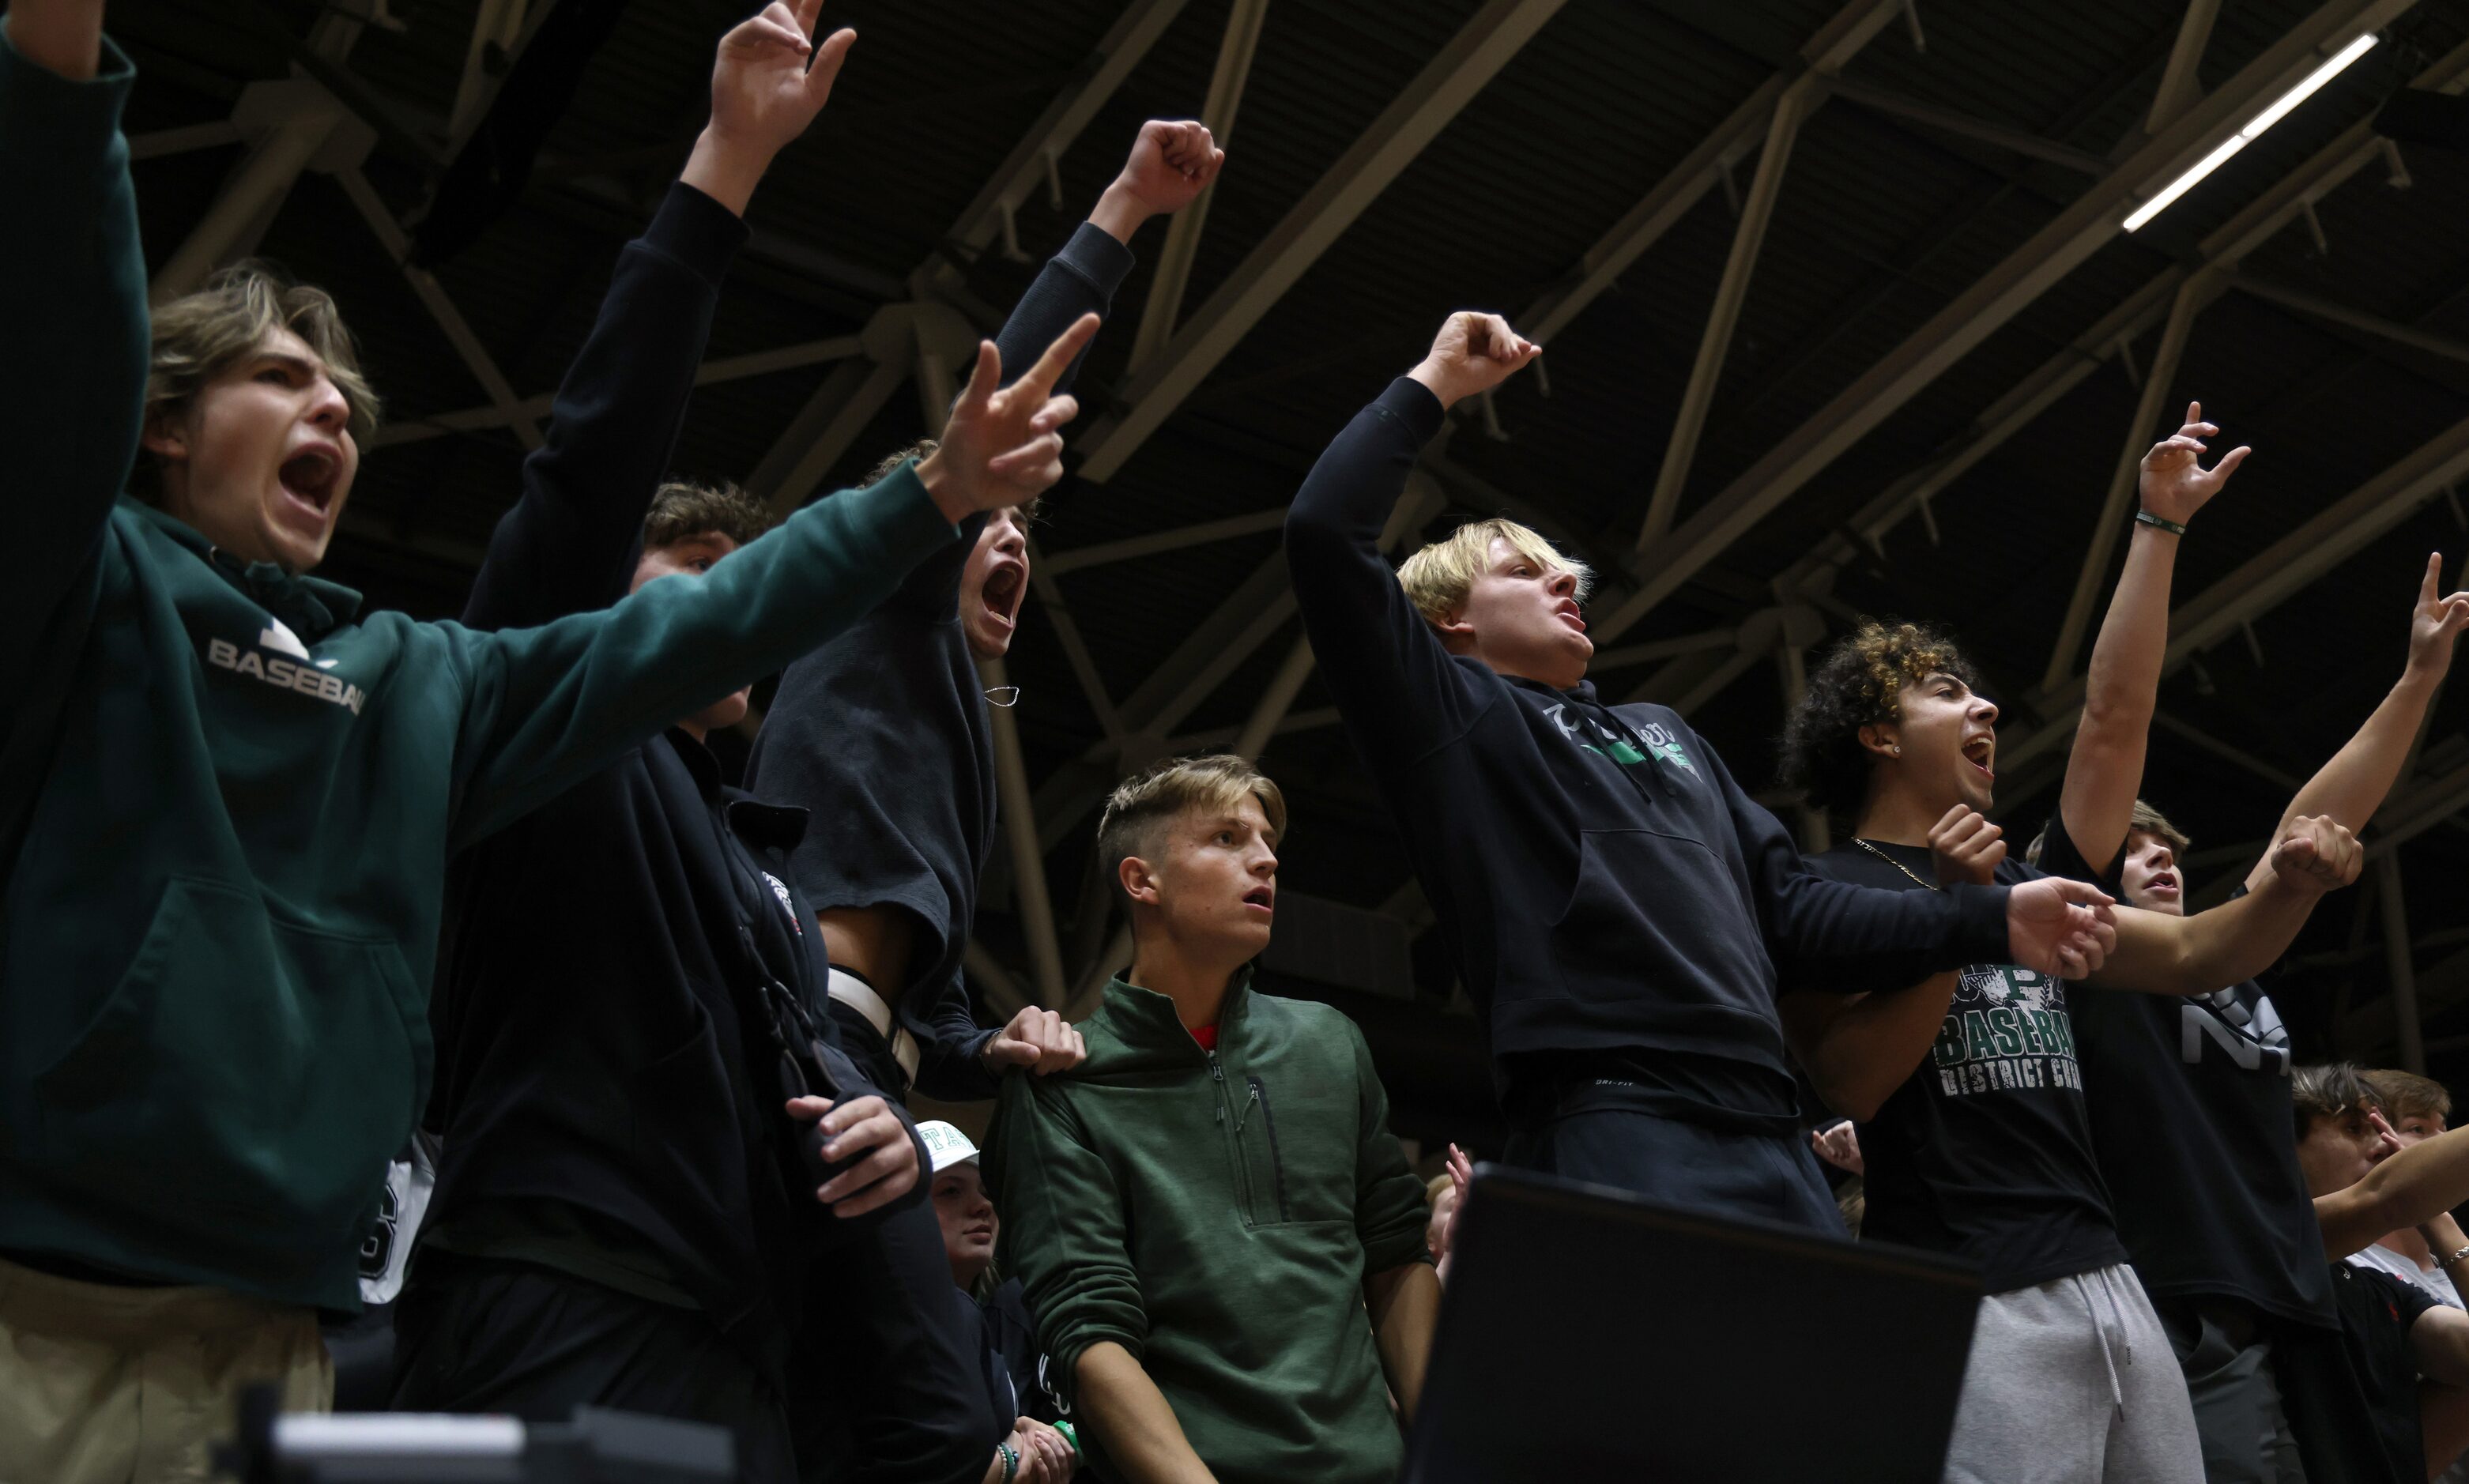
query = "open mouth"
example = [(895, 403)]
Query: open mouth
[(307, 478), (1261, 897), (1005, 585), (1981, 752), (1567, 613), (2164, 883)]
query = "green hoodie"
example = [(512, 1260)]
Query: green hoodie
[(226, 806), (1216, 1214)]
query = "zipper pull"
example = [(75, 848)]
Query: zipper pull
[(1217, 1073), (1249, 1103)]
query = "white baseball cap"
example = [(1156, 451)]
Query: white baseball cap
[(945, 1145)]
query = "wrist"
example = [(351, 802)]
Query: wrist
[(943, 490), (2158, 524), (1436, 379), (726, 168), (1120, 213)]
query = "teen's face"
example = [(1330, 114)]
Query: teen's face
[(693, 556), (261, 460), (2336, 1152), (1215, 878), (2153, 882), (994, 585), (1521, 618), (1948, 737), (2415, 1126), (967, 1217)]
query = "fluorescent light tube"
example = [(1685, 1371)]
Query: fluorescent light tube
[(2279, 109)]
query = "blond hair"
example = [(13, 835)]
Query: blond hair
[(1151, 797), (199, 337), (1438, 578)]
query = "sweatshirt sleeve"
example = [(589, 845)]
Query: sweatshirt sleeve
[(1397, 688), (1063, 1233), (1389, 1216), (947, 1068), (1079, 280), (547, 707), (73, 390), (569, 545), (1846, 939)]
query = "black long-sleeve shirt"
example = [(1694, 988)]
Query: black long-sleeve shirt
[(1608, 892), (604, 1108), (884, 733)]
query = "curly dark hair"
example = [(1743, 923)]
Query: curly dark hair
[(1858, 685), (890, 464), (685, 507)]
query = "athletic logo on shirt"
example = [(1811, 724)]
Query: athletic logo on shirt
[(2253, 1036), (1619, 748), (780, 889), (2006, 1029), (297, 673)]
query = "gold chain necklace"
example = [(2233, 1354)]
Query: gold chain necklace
[(1897, 864)]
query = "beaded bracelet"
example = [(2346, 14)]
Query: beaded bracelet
[(2454, 1257), (2148, 518), (1011, 1460)]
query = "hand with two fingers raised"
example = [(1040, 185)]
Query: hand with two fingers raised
[(1002, 445)]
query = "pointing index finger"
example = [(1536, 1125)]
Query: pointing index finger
[(1049, 367)]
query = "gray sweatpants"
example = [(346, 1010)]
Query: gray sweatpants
[(2072, 1382)]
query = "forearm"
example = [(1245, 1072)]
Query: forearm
[(569, 544), (2236, 940), (1858, 1050), (78, 325), (1079, 280), (1404, 1303), (1125, 1411), (2418, 1185), (64, 37), (2354, 784), (953, 1067), (2120, 692)]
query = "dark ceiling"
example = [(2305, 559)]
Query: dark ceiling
[(1883, 221)]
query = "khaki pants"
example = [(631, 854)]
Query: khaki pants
[(102, 1385)]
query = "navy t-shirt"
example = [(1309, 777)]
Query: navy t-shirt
[(1985, 1152), (2191, 1121)]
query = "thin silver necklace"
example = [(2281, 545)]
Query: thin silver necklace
[(1897, 864)]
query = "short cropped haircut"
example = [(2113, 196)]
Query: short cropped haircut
[(684, 509), (2328, 1091), (199, 337), (2144, 817), (1860, 683), (2408, 1095), (1155, 795), (1438, 578), (890, 464)]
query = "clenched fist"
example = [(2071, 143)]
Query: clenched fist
[(1473, 352)]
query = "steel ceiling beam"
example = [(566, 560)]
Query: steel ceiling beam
[(1386, 146), (2180, 89), (2151, 411), (1132, 547), (1826, 53), (2332, 312), (1730, 296), (1963, 125), (1173, 273), (2048, 256)]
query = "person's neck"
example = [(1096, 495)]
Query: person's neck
[(2410, 1244), (1892, 816), (692, 728), (1191, 976)]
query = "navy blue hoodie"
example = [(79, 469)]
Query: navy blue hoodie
[(1609, 896)]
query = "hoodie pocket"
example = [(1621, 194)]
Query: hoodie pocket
[(1655, 919), (260, 1071)]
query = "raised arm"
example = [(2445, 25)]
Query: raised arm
[(570, 543), (546, 706), (2411, 1185), (2160, 954), (2105, 771), (1394, 681), (2353, 785), (75, 389)]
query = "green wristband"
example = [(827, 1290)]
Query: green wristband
[(1070, 1434), (1011, 1460), (2146, 518)]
